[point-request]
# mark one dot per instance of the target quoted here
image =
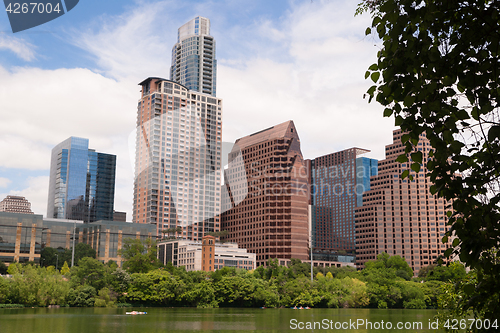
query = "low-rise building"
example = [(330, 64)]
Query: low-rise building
[(23, 236), (189, 254)]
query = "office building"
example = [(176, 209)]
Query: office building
[(193, 57), (207, 255), (82, 182), (119, 216), (401, 217), (338, 181), (178, 159), (15, 204), (266, 206), (23, 236)]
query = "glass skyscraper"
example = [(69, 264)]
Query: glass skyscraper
[(193, 57), (338, 181), (82, 182)]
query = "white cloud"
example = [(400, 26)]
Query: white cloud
[(134, 45), (4, 182), (317, 80), (19, 46), (41, 108)]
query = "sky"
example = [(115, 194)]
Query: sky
[(277, 60)]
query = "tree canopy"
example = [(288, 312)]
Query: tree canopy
[(140, 255), (438, 73)]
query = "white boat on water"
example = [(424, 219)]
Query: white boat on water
[(136, 313)]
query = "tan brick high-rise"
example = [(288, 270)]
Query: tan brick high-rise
[(266, 206), (401, 217), (178, 159)]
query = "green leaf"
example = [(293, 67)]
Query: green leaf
[(448, 252), (373, 67), (444, 240), (398, 121), (433, 189), (405, 174), (449, 80), (494, 133), (462, 115), (415, 167), (375, 76), (402, 158), (367, 74), (368, 31), (409, 100), (371, 90), (416, 157), (387, 112), (405, 138), (469, 289), (455, 243)]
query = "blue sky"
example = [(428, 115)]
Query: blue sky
[(277, 60)]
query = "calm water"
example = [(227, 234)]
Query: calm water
[(98, 320)]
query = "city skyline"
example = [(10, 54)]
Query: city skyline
[(276, 62)]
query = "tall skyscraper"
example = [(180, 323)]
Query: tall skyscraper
[(82, 182), (178, 159), (193, 57), (338, 181), (266, 206), (15, 204), (401, 217)]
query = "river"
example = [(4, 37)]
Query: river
[(107, 320)]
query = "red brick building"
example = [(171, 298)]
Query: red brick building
[(401, 217), (266, 202)]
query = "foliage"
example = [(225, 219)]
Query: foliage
[(52, 257), (140, 255), (82, 296), (437, 73), (90, 272), (394, 263), (33, 286), (3, 268), (105, 298), (156, 287), (65, 269), (93, 283), (452, 302), (83, 250), (454, 271)]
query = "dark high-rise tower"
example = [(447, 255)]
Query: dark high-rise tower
[(193, 57), (82, 182), (338, 181)]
